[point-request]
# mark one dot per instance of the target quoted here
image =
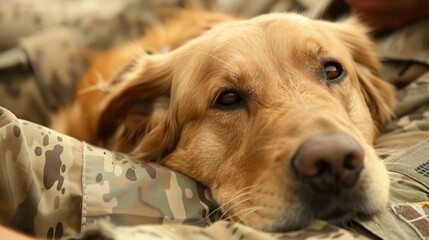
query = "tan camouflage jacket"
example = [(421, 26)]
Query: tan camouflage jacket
[(54, 186)]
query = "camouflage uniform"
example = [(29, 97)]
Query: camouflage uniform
[(54, 186)]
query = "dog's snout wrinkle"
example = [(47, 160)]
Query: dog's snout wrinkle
[(329, 163)]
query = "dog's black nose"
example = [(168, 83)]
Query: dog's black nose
[(330, 162)]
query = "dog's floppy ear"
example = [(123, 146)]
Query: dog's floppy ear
[(134, 115), (378, 94)]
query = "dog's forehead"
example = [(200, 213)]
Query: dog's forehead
[(285, 20), (296, 19), (267, 22), (265, 45), (283, 28)]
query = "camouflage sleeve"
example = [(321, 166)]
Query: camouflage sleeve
[(220, 230), (52, 185)]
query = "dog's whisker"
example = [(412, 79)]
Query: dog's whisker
[(244, 189), (208, 216), (233, 202), (240, 193), (234, 199), (244, 213), (224, 205), (273, 150), (247, 212), (231, 206), (381, 151), (230, 67), (251, 211), (266, 148), (316, 14), (397, 164), (224, 215)]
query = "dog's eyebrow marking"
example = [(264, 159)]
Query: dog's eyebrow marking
[(316, 47), (210, 55), (311, 49)]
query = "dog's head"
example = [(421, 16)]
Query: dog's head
[(276, 115)]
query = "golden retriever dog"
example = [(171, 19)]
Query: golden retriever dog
[(276, 115)]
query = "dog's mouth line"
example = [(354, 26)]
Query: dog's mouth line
[(342, 215), (339, 215)]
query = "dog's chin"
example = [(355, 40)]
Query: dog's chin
[(340, 211), (346, 219), (342, 218), (286, 224), (339, 218)]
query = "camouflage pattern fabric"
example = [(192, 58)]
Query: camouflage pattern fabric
[(409, 194), (220, 230), (54, 186), (405, 55)]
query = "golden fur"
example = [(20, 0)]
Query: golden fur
[(166, 108)]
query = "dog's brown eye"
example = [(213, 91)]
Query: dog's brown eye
[(228, 99), (333, 71)]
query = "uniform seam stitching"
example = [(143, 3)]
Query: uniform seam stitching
[(84, 190)]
